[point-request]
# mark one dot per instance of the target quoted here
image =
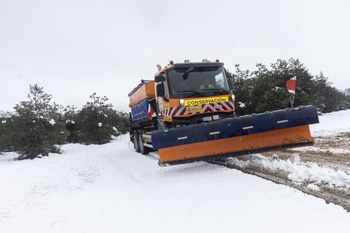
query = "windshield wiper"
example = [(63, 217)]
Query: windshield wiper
[(197, 93), (221, 90), (190, 93)]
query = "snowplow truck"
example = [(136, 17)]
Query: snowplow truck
[(187, 113)]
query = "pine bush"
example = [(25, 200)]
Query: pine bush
[(37, 129)]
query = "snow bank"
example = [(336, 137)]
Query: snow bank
[(110, 188), (297, 171), (331, 124), (338, 151)]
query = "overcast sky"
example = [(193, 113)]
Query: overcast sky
[(73, 48)]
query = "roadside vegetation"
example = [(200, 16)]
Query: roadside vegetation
[(38, 126), (264, 88)]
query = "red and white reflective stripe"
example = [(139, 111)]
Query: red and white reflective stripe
[(175, 111), (180, 111), (228, 105), (206, 108)]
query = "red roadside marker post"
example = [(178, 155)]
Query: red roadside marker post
[(291, 87)]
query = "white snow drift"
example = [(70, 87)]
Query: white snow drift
[(110, 188)]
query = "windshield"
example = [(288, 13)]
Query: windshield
[(197, 81)]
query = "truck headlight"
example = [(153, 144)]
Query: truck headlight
[(233, 97), (182, 102)]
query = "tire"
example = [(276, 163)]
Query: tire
[(143, 150), (135, 138)]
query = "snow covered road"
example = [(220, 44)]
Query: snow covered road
[(110, 188)]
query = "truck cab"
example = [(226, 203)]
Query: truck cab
[(191, 93)]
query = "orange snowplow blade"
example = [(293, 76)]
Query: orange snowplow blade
[(236, 135), (245, 144)]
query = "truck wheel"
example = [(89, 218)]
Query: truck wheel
[(135, 139), (144, 150)]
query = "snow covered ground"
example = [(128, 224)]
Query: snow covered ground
[(308, 173), (332, 123), (110, 188)]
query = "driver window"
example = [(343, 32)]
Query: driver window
[(219, 79), (207, 83)]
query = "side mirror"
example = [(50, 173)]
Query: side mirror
[(230, 80), (159, 78), (160, 90), (231, 84)]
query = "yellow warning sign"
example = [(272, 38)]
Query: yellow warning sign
[(211, 100)]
